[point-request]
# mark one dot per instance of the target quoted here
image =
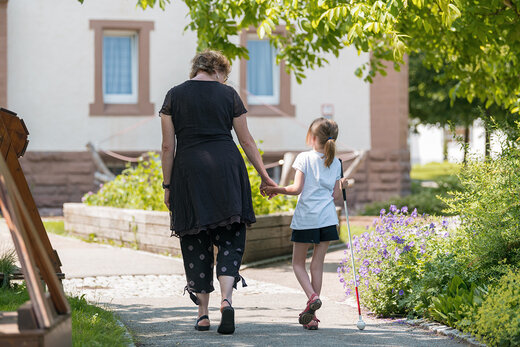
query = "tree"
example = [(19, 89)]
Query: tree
[(430, 103), (476, 43)]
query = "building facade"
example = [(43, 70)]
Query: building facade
[(98, 73)]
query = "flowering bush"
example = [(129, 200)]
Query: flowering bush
[(392, 257)]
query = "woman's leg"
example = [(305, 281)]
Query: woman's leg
[(203, 308), (298, 263), (197, 253), (226, 289), (231, 245), (318, 258)]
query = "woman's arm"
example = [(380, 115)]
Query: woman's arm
[(293, 189), (168, 152), (249, 145)]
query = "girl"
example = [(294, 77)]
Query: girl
[(315, 220)]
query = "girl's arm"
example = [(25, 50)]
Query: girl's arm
[(168, 152), (340, 184), (293, 189)]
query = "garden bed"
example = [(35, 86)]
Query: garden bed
[(150, 230)]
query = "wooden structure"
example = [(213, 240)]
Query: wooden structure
[(45, 319)]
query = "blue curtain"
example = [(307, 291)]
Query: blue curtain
[(117, 64), (260, 68)]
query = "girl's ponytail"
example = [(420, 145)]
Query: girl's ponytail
[(326, 130), (329, 151)]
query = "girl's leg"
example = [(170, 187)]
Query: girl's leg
[(298, 263), (318, 258)]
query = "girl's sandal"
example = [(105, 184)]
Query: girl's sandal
[(313, 324), (313, 304), (227, 322), (201, 327)]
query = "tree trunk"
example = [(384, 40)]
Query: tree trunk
[(466, 142), (487, 135)]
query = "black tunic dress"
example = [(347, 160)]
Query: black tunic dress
[(209, 184)]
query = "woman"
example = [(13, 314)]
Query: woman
[(206, 183)]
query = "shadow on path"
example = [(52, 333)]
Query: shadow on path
[(173, 326)]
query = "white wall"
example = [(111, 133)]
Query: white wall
[(334, 84), (426, 145), (51, 80)]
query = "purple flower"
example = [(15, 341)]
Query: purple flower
[(366, 262), (377, 271), (404, 209), (393, 208), (398, 239), (382, 212), (445, 223), (414, 213), (432, 225), (401, 292), (406, 249)]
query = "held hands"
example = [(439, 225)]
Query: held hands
[(266, 187)]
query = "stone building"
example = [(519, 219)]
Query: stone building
[(98, 72)]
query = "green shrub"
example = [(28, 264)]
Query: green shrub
[(489, 208), (139, 187), (7, 265), (436, 276), (425, 199), (457, 302), (497, 321)]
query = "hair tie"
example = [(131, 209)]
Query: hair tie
[(330, 138)]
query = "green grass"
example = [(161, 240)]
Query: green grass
[(431, 171), (91, 325), (354, 230), (55, 227)]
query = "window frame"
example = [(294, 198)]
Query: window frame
[(124, 98), (142, 106), (284, 107), (266, 99)]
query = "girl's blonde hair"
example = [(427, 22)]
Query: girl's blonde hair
[(326, 131), (210, 62)]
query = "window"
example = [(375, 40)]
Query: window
[(119, 67), (265, 87), (122, 72), (263, 75)]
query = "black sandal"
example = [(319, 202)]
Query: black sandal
[(201, 327), (227, 322)]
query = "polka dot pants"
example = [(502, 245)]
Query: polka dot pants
[(197, 252)]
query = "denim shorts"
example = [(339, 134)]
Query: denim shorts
[(328, 233)]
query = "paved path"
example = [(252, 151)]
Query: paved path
[(145, 290)]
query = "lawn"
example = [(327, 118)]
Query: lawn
[(354, 230), (91, 325), (432, 171)]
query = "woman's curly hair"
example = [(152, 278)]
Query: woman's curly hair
[(210, 62)]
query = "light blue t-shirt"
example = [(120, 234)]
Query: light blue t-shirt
[(315, 207)]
